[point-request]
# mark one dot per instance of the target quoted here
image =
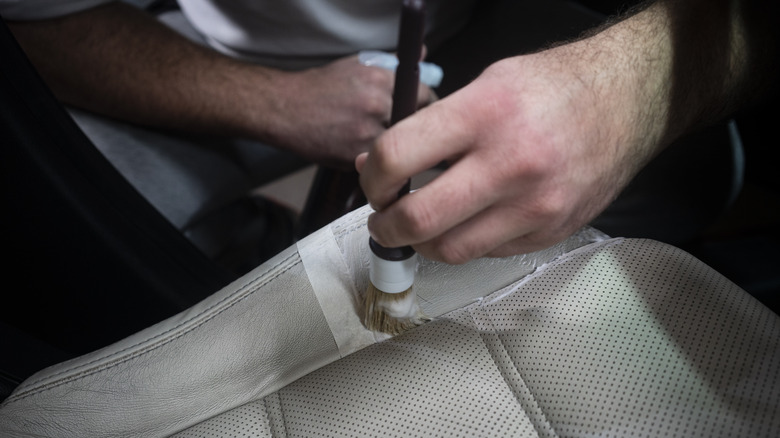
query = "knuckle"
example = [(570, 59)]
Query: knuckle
[(377, 76), (454, 253), (552, 205), (376, 104), (539, 163), (385, 154), (365, 131), (420, 222)]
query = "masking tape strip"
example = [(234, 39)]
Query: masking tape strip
[(334, 289)]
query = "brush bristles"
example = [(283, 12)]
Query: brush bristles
[(381, 311)]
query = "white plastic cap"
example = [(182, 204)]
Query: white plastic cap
[(392, 276), (430, 74)]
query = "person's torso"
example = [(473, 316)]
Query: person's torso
[(301, 33)]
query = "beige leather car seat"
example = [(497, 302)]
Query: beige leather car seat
[(592, 337)]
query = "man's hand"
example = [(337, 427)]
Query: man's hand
[(540, 144), (119, 61), (532, 159), (332, 113)]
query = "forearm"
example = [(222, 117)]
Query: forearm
[(667, 69), (690, 63), (121, 62)]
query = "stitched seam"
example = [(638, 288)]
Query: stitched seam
[(154, 346), (494, 352), (285, 427), (272, 405), (357, 219), (347, 231)]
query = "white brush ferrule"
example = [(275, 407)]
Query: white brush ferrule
[(392, 276)]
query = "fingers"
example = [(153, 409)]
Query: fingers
[(451, 199), (496, 232), (477, 236), (425, 96), (360, 161), (413, 145), (501, 228)]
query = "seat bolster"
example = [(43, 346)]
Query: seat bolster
[(258, 334), (246, 340)]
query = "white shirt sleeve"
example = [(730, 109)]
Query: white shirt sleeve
[(42, 9)]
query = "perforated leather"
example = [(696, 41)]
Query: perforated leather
[(595, 336), (625, 338)]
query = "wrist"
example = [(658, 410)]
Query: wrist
[(252, 99), (622, 75)]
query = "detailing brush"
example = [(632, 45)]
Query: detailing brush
[(390, 304)]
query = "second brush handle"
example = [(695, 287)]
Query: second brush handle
[(407, 75)]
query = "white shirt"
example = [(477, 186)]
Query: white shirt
[(291, 33)]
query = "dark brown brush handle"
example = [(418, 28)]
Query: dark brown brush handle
[(407, 75), (335, 193), (407, 80)]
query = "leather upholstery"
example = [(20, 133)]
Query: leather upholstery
[(592, 336)]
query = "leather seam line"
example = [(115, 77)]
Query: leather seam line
[(500, 349), (356, 223), (347, 231), (154, 346)]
